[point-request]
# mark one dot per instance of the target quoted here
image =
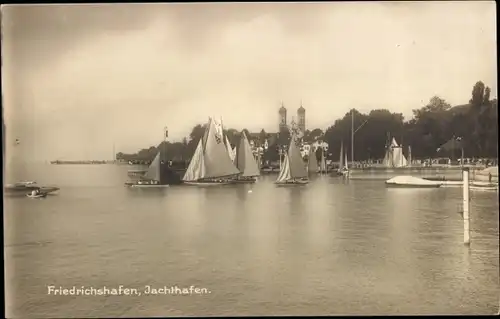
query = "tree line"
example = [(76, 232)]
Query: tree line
[(473, 125)]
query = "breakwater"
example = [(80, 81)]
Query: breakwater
[(81, 162)]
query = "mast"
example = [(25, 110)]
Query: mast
[(352, 137), (341, 157), (164, 147)]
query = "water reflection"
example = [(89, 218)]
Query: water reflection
[(331, 247)]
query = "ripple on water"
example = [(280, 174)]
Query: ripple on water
[(329, 248)]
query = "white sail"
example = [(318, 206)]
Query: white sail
[(230, 150), (387, 162), (211, 159), (196, 168), (296, 163), (341, 157), (394, 156), (217, 161), (398, 158), (285, 173), (153, 172), (322, 166), (245, 160), (394, 143), (312, 166), (346, 164)]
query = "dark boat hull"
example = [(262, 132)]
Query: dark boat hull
[(245, 181), (292, 183), (43, 195), (391, 185), (26, 190), (207, 184), (148, 186)]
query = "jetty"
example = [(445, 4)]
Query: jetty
[(59, 162)]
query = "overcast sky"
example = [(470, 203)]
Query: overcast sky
[(78, 78)]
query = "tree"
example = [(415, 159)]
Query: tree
[(477, 95), (313, 135), (262, 136), (429, 128), (487, 93), (283, 136)]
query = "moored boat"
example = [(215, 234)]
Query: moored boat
[(411, 182), (26, 188), (343, 169), (152, 176), (159, 174), (483, 188), (293, 171), (36, 194)]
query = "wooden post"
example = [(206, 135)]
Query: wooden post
[(462, 158), (466, 205), (409, 155), (352, 138)]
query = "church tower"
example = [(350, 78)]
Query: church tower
[(301, 114), (282, 117)]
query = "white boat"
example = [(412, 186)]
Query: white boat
[(451, 183), (36, 194), (312, 162), (483, 188), (293, 171), (412, 182), (211, 164), (245, 162), (489, 174)]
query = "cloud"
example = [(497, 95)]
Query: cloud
[(101, 76)]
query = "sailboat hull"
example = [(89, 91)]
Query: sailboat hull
[(210, 183), (340, 174), (245, 180), (293, 183), (148, 186)]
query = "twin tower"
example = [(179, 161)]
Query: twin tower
[(301, 115)]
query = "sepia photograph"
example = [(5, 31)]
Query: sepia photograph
[(250, 159)]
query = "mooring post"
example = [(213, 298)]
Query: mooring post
[(466, 205)]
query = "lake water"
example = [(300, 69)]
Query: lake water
[(332, 247)]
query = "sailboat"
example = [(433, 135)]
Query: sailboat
[(211, 164), (323, 169), (245, 161), (343, 169), (293, 170), (312, 162), (152, 177), (394, 155)]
